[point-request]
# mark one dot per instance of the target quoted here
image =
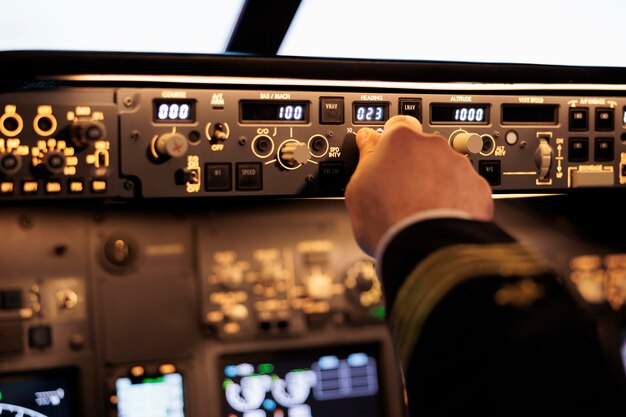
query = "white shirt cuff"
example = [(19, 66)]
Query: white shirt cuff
[(411, 220)]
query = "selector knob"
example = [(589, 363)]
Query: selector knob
[(10, 163), (293, 154), (543, 158), (54, 162), (466, 143), (173, 145), (86, 132)]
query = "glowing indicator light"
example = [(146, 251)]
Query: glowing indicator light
[(357, 360), (231, 371), (329, 362), (266, 368), (245, 369), (377, 313), (269, 404)]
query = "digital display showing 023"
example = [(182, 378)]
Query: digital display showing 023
[(370, 113)]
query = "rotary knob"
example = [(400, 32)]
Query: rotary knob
[(294, 154), (173, 145), (54, 162), (362, 284), (10, 163), (84, 133), (466, 143)]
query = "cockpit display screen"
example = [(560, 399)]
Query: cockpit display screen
[(324, 382), (157, 395), (37, 394)]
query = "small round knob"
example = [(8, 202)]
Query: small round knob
[(54, 162), (173, 145), (67, 299), (294, 153), (362, 284), (466, 143), (84, 133), (10, 163)]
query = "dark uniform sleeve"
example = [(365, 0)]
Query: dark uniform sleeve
[(482, 325)]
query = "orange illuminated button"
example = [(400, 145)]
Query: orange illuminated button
[(53, 187), (30, 187), (98, 186), (76, 187), (7, 187)]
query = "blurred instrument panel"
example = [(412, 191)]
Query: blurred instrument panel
[(229, 311)]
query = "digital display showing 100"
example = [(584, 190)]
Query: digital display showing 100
[(274, 111)]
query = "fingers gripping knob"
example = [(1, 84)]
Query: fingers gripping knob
[(294, 153), (466, 143)]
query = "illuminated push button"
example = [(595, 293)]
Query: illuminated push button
[(98, 186), (331, 110), (7, 187), (249, 177), (218, 177), (578, 119), (603, 150), (578, 150), (53, 187), (76, 187), (30, 187), (173, 145), (411, 107), (605, 119)]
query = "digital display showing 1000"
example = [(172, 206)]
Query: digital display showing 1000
[(459, 114)]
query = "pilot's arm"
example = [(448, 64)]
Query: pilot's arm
[(480, 321)]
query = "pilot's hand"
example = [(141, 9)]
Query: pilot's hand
[(402, 172)]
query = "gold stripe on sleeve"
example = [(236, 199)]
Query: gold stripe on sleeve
[(446, 268)]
